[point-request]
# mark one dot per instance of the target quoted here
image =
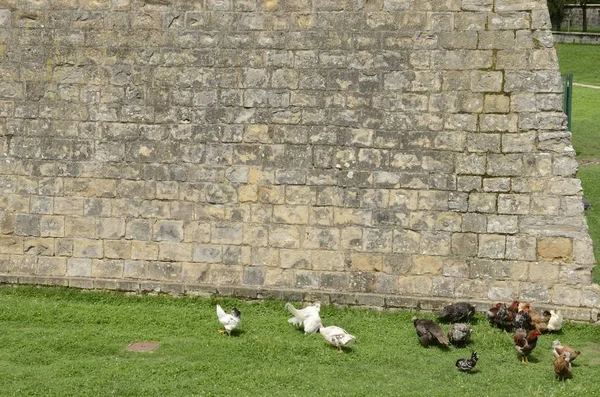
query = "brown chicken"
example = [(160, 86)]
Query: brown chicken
[(539, 322), (429, 332), (562, 366), (525, 342), (558, 349)]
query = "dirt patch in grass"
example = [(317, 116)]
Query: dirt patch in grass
[(143, 346)]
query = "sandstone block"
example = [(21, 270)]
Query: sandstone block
[(333, 281), (307, 279), (177, 252), (107, 268), (227, 233), (135, 269), (555, 248), (52, 266), (366, 262), (194, 273), (52, 226), (164, 271), (138, 229), (86, 248), (118, 249), (492, 246), (27, 225), (79, 267), (566, 295), (144, 250), (328, 261), (253, 275)]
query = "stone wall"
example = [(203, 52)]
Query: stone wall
[(375, 152), (574, 16), (581, 38)]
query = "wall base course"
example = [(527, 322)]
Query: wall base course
[(346, 299)]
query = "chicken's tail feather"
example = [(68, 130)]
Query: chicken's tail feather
[(443, 340), (290, 308)]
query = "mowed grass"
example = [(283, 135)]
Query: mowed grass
[(581, 60), (59, 342)]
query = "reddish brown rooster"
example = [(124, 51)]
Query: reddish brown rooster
[(525, 342)]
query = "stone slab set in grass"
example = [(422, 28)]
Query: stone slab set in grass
[(384, 153)]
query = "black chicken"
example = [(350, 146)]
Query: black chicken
[(467, 364), (459, 312), (429, 332)]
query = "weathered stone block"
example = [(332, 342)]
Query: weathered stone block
[(492, 246), (86, 248), (107, 268), (366, 262), (135, 269), (119, 249), (52, 266), (164, 271), (52, 226), (253, 276), (27, 225), (144, 250), (328, 261), (79, 267), (566, 295)]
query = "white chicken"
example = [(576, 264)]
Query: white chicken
[(555, 322), (308, 317), (229, 321), (336, 336)]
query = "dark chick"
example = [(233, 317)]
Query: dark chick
[(502, 316), (459, 334), (429, 332), (467, 364), (498, 316), (525, 342), (523, 320), (459, 312)]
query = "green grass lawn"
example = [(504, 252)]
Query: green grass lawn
[(582, 61), (59, 342), (586, 122)]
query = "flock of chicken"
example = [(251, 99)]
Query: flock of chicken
[(307, 318), (517, 317)]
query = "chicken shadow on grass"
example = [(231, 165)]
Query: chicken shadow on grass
[(235, 333)]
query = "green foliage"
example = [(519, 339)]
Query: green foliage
[(59, 342), (556, 8)]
